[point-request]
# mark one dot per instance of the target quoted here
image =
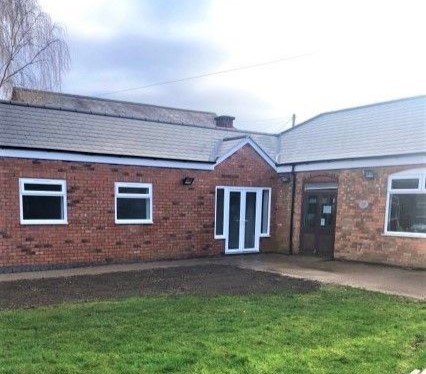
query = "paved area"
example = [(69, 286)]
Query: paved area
[(397, 281), (386, 279)]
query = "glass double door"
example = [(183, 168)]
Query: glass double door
[(243, 216)]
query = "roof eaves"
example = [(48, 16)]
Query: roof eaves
[(352, 158), (51, 150)]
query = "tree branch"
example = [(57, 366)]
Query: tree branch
[(32, 48), (31, 62)]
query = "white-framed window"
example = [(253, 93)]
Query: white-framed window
[(219, 230), (43, 201), (266, 212), (406, 204), (133, 203)]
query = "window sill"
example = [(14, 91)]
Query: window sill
[(44, 222), (135, 222), (405, 234)]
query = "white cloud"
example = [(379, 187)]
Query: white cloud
[(90, 18), (365, 51)]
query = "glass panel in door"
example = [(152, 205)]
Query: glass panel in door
[(250, 221), (311, 210), (234, 220), (327, 211)]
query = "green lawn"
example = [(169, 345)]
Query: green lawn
[(332, 330)]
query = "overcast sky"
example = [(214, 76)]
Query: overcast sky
[(353, 53)]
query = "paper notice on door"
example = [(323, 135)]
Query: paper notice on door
[(326, 209), (322, 221)]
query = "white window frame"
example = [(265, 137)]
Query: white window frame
[(225, 197), (267, 233), (23, 192), (148, 196), (421, 189)]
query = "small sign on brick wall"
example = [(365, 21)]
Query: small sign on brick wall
[(363, 204)]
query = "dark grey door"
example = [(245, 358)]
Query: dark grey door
[(318, 223)]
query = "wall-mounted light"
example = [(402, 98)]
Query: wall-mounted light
[(368, 173), (187, 181), (285, 177)]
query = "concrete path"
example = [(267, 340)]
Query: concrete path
[(411, 283), (386, 279)]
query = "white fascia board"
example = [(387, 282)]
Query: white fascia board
[(137, 161), (114, 160), (250, 142), (361, 163), (284, 169), (409, 173)]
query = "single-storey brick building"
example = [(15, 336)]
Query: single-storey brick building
[(90, 181)]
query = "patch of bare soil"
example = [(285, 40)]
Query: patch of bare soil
[(209, 280)]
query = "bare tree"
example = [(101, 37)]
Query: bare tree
[(33, 51)]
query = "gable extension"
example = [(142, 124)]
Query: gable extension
[(229, 146)]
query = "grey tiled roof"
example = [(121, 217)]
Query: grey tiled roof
[(41, 128), (227, 144), (114, 107), (391, 128)]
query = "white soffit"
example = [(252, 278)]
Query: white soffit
[(360, 163), (113, 160)]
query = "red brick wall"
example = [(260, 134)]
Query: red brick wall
[(359, 232), (183, 216)]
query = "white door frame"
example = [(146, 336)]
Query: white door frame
[(243, 193)]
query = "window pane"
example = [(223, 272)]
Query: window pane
[(234, 220), (327, 211), (43, 187), (265, 211), (250, 221), (405, 183), (43, 207), (310, 212), (133, 208), (135, 190), (220, 196), (407, 213)]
